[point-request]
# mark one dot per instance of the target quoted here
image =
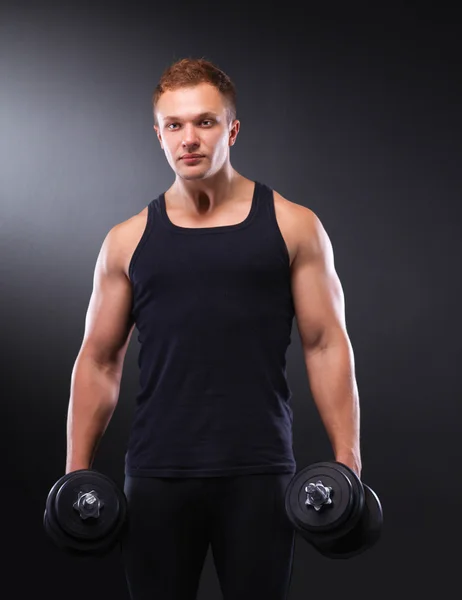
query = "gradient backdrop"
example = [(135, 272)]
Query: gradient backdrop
[(360, 123)]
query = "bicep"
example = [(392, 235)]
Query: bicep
[(316, 288), (108, 321)]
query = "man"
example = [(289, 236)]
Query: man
[(212, 273)]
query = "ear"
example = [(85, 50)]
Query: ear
[(233, 132), (159, 137)]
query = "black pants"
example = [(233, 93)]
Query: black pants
[(172, 521)]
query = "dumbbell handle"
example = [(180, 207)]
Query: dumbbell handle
[(318, 495), (88, 504)]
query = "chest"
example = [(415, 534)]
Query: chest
[(237, 214), (286, 218)]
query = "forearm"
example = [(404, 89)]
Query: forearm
[(94, 395), (333, 385)]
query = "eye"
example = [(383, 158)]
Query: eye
[(210, 121)]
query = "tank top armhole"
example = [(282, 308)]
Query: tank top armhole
[(274, 219), (144, 238)]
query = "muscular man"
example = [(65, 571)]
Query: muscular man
[(211, 273)]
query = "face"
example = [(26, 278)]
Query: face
[(193, 120)]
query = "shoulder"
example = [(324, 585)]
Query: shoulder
[(294, 210), (131, 225), (305, 225), (122, 239), (122, 233)]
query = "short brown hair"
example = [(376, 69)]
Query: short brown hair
[(188, 72)]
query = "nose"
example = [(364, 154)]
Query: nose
[(190, 137)]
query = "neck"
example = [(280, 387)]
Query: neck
[(202, 196)]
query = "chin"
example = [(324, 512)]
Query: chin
[(192, 176)]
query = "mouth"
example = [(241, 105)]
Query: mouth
[(191, 159)]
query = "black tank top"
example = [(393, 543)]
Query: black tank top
[(213, 308)]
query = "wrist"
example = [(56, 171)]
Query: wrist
[(351, 460)]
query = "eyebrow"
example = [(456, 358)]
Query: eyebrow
[(201, 116)]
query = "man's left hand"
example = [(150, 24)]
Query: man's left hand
[(351, 461)]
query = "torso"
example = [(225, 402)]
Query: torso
[(288, 216)]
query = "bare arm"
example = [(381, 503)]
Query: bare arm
[(329, 359), (97, 372)]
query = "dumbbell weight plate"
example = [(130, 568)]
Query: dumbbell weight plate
[(363, 536), (68, 516), (331, 520), (66, 527)]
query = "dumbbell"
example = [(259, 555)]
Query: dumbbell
[(333, 510), (85, 513)]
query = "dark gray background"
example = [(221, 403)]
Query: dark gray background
[(359, 122)]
